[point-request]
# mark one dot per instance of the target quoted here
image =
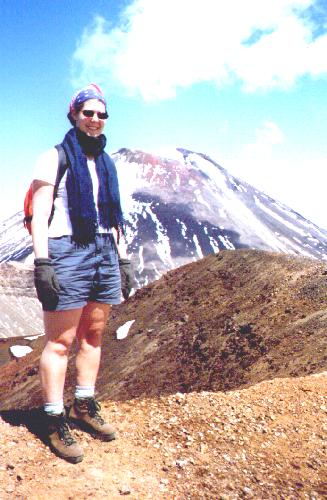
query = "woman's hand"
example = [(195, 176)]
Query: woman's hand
[(125, 265), (45, 280), (127, 276), (46, 283)]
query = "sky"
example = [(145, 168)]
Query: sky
[(244, 82)]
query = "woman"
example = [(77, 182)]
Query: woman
[(77, 275)]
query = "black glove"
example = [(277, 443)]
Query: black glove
[(46, 283), (127, 276)]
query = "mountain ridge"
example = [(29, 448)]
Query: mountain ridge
[(218, 390)]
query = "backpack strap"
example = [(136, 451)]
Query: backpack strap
[(62, 167)]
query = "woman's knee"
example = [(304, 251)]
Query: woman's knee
[(92, 337), (60, 330), (60, 346), (92, 324)]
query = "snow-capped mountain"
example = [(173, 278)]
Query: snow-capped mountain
[(182, 208)]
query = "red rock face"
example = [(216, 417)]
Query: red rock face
[(20, 312)]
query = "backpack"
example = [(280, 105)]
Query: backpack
[(28, 201)]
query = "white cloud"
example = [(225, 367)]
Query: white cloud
[(257, 162), (266, 137), (161, 45)]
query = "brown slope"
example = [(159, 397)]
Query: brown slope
[(225, 322), (210, 325)]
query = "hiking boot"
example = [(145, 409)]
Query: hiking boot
[(61, 441), (85, 414)]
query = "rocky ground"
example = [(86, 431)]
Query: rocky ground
[(267, 441), (219, 391)]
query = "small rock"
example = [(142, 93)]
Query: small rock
[(246, 490), (124, 490), (181, 463), (179, 397)]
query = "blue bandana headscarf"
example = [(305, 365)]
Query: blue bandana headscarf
[(91, 91)]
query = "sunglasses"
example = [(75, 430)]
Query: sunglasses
[(89, 114)]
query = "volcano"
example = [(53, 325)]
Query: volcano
[(182, 208)]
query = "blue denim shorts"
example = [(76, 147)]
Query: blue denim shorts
[(86, 273)]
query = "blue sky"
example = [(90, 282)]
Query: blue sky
[(244, 82)]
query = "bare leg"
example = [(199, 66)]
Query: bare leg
[(89, 336), (60, 330)]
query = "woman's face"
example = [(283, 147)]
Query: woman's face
[(92, 126)]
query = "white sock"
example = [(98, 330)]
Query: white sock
[(84, 391), (54, 408)]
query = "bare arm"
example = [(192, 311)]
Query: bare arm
[(42, 205)]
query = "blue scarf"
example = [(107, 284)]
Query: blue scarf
[(82, 210)]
